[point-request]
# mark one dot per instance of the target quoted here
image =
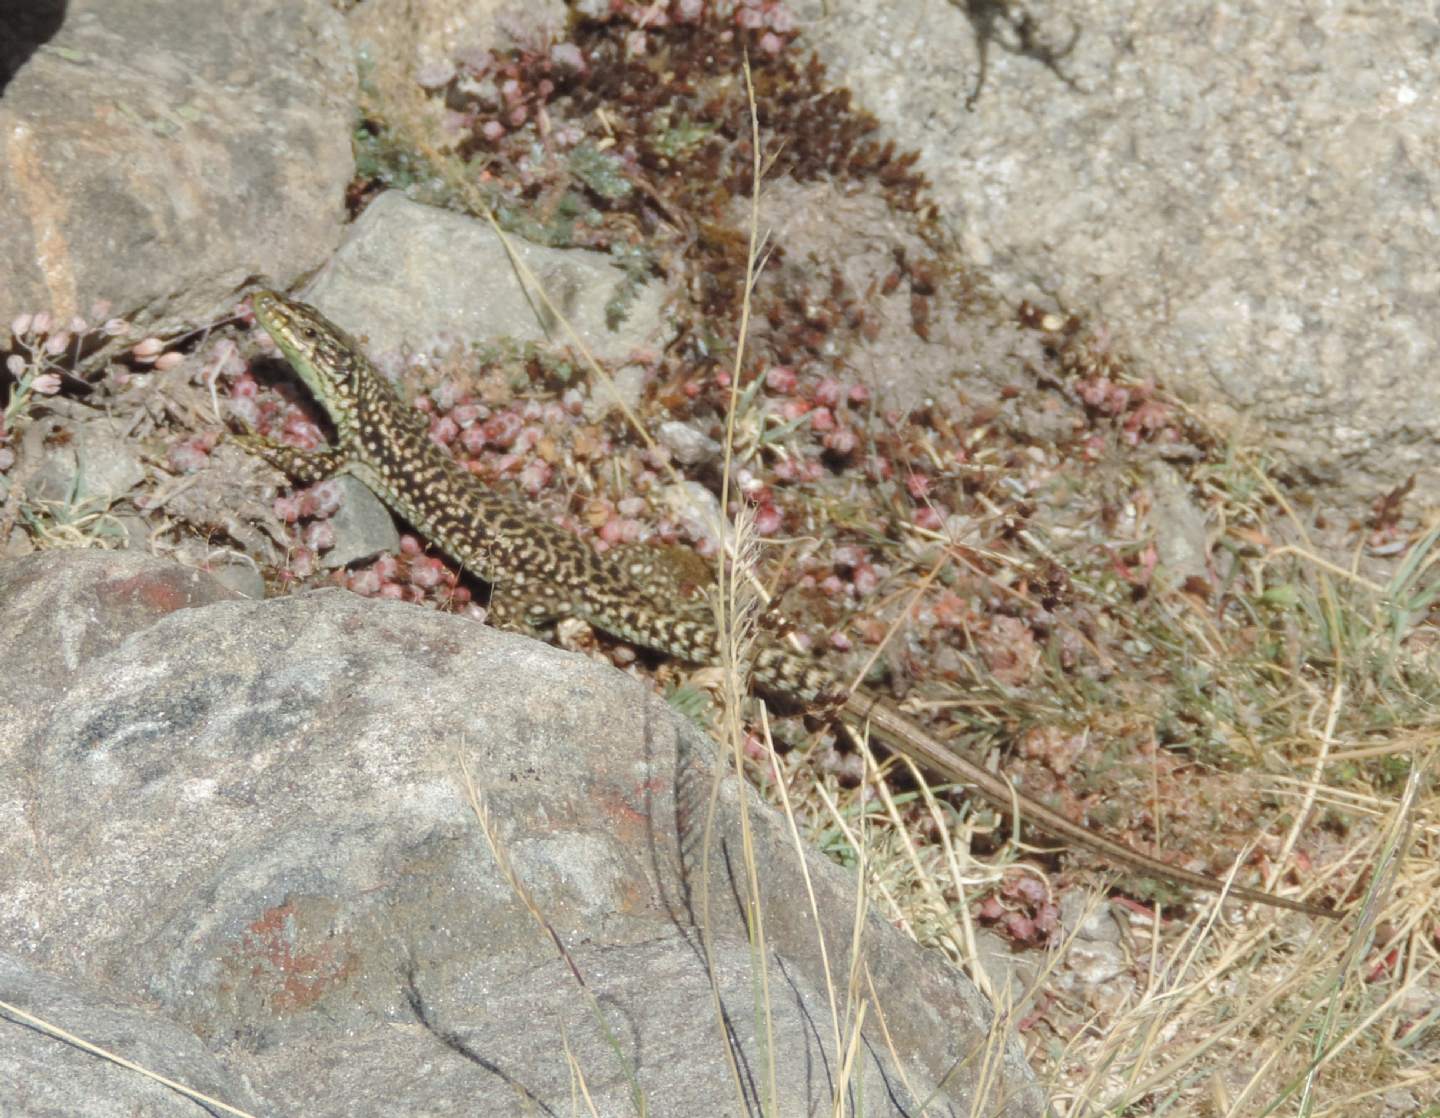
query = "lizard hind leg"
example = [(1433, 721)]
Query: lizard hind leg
[(676, 572)]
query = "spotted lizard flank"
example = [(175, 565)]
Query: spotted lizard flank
[(539, 572)]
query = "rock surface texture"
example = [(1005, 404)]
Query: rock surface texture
[(1244, 193), (155, 153), (43, 1078), (245, 825), (415, 275)]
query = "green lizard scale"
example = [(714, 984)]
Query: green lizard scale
[(537, 570)]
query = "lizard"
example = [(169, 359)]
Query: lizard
[(539, 572)]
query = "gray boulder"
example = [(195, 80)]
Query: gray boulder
[(251, 821)]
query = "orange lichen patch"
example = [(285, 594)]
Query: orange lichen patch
[(629, 823), (292, 949), (164, 593), (42, 202)]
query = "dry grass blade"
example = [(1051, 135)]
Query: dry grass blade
[(481, 811), (733, 624), (104, 1053), (1382, 884), (787, 812), (577, 1076)]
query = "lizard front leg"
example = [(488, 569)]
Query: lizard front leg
[(308, 467)]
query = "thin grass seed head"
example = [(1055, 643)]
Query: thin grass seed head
[(744, 599)]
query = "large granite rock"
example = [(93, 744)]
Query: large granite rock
[(250, 821)]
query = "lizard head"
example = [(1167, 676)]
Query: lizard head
[(326, 358)]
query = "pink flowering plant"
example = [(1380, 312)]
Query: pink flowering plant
[(38, 343), (44, 350)]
